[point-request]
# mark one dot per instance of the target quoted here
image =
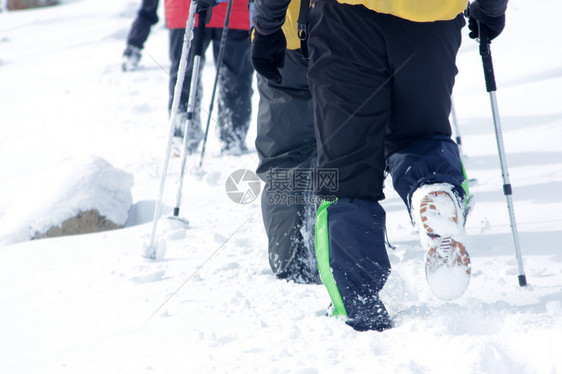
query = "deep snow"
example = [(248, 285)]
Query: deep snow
[(92, 303)]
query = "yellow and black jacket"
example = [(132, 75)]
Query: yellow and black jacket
[(270, 15), (290, 25), (415, 10)]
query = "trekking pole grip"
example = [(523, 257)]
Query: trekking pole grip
[(486, 54)]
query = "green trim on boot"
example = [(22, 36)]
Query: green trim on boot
[(323, 258)]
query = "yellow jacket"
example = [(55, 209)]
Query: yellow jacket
[(413, 10)]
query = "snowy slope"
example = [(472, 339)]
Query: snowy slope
[(92, 303)]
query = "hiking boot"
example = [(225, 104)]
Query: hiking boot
[(374, 317), (439, 220), (131, 58)]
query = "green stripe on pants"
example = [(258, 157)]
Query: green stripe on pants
[(322, 245)]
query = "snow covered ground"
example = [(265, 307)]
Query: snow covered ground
[(93, 304)]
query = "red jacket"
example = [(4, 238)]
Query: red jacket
[(177, 11)]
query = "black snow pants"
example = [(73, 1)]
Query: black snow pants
[(379, 83), (286, 148), (146, 17), (382, 93), (234, 86)]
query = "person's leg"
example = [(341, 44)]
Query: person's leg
[(286, 147), (140, 29), (234, 90), (424, 161), (418, 141), (146, 17), (175, 49), (176, 45), (350, 82), (352, 260)]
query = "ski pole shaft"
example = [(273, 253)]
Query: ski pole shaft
[(189, 25), (219, 64), (197, 53), (490, 79)]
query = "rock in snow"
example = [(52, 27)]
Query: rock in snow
[(76, 196)]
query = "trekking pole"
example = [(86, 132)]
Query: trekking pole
[(197, 53), (486, 54), (466, 183), (458, 139), (219, 64), (150, 251)]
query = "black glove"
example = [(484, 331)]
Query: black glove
[(476, 16), (268, 54), (205, 9)]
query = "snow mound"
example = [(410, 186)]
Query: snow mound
[(65, 191), (448, 283)]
